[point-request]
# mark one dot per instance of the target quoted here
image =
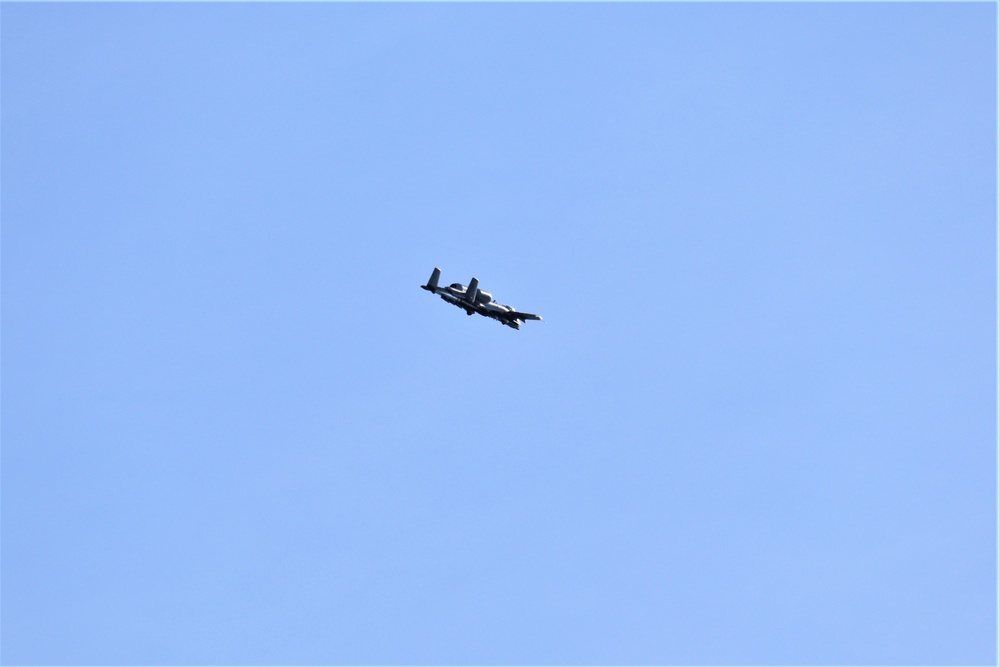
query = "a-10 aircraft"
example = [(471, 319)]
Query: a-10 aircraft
[(471, 299)]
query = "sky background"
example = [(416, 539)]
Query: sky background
[(757, 426)]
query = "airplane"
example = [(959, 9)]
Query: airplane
[(472, 300)]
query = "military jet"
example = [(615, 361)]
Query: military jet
[(471, 299)]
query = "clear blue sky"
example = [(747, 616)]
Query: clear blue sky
[(757, 427)]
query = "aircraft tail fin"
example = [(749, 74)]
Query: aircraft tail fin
[(432, 284), (472, 291)]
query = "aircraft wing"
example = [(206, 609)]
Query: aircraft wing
[(514, 315)]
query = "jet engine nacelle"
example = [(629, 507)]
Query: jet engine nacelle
[(483, 297)]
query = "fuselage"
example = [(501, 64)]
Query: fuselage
[(456, 295)]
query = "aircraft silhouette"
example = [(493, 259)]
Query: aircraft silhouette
[(471, 299)]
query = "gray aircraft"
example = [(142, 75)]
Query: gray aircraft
[(471, 299)]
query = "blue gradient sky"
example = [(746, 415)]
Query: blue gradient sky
[(757, 427)]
